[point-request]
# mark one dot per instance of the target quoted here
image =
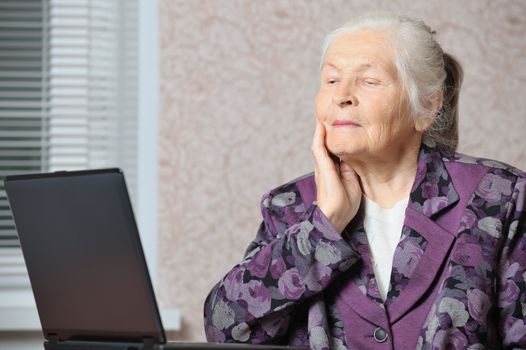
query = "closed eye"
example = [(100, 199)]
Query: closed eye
[(371, 82)]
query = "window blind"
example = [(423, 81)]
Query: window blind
[(68, 96)]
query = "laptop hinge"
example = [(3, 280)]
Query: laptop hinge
[(52, 341), (148, 343), (53, 338)]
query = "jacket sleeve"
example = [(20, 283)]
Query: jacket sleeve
[(511, 282), (286, 264)]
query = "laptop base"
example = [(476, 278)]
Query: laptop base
[(53, 344)]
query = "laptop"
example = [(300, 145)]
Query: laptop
[(86, 265)]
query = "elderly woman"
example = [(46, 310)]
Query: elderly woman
[(396, 242)]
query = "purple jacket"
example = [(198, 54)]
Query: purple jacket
[(458, 278)]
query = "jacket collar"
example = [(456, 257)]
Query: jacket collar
[(433, 190)]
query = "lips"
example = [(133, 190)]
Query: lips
[(340, 123)]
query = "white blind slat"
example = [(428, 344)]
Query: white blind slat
[(21, 85), (16, 4), (67, 96)]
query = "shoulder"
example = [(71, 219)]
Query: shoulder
[(500, 182), (491, 167)]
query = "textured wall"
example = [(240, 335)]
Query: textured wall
[(237, 85)]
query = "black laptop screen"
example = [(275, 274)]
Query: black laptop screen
[(83, 254)]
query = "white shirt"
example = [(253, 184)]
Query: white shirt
[(383, 227)]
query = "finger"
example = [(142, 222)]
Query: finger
[(347, 171), (350, 178), (318, 139), (318, 182), (346, 167), (319, 150)]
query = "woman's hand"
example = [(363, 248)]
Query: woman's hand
[(338, 187)]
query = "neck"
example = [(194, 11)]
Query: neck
[(388, 178)]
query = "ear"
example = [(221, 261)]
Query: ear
[(425, 121), (422, 123)]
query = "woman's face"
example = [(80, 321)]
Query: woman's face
[(360, 101)]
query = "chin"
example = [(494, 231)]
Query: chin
[(341, 149), (341, 144)]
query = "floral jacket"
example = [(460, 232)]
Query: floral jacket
[(458, 278)]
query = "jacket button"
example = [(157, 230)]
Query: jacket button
[(380, 335)]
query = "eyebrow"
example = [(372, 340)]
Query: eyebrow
[(361, 67)]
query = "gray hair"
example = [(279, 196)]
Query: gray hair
[(424, 68)]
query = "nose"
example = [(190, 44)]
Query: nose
[(344, 97)]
